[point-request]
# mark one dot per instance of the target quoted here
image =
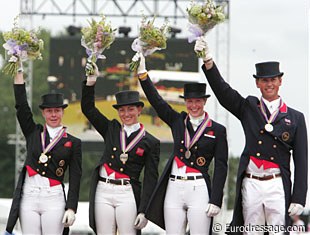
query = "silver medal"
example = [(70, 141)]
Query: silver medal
[(123, 157), (268, 127), (187, 154), (43, 158)]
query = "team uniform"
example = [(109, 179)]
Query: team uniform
[(184, 189), (272, 131), (116, 196), (39, 199)]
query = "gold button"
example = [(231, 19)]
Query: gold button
[(121, 169), (182, 141), (114, 148), (39, 162), (45, 164), (262, 131), (274, 146), (275, 138), (181, 150), (43, 173), (181, 158), (260, 142), (192, 163), (272, 158), (110, 164), (38, 170), (196, 147), (257, 154), (112, 156)]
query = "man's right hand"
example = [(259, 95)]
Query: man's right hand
[(202, 45), (92, 73)]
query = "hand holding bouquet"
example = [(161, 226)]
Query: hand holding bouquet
[(202, 18), (20, 45), (96, 38), (150, 39)]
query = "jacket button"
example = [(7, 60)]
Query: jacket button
[(114, 148), (110, 164), (181, 150), (196, 147), (121, 169), (112, 156), (262, 131), (43, 173), (182, 141), (45, 164), (271, 158), (260, 142), (38, 170), (257, 154), (275, 138), (192, 163), (181, 158), (274, 146)]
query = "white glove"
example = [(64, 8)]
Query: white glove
[(201, 45), (140, 221), (92, 71), (212, 210), (141, 68), (295, 209), (69, 218), (16, 59)]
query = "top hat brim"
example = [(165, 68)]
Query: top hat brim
[(139, 103), (42, 106), (193, 96), (269, 76)]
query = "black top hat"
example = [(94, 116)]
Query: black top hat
[(194, 90), (52, 101), (127, 98), (267, 70)]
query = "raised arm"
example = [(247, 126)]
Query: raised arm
[(229, 98), (96, 118), (23, 111), (163, 109)]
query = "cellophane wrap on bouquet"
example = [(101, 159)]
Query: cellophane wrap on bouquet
[(97, 37), (151, 39), (202, 18), (20, 45)]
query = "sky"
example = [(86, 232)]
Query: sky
[(259, 30)]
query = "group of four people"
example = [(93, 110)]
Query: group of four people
[(185, 193)]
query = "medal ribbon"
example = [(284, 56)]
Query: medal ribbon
[(188, 142), (273, 115), (134, 142), (53, 142)]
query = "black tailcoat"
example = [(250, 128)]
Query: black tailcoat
[(289, 135), (144, 155), (66, 153), (203, 151)]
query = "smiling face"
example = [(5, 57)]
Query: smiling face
[(129, 114), (269, 87), (195, 106), (53, 116)]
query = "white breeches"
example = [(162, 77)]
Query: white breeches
[(186, 201), (263, 202), (115, 209), (42, 210)]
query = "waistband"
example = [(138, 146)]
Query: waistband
[(262, 178), (115, 181), (192, 177)]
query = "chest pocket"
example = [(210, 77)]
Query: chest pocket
[(206, 143)]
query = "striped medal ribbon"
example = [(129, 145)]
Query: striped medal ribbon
[(268, 126)]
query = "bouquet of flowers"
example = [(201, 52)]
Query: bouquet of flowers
[(150, 39), (20, 45), (202, 18), (96, 38)]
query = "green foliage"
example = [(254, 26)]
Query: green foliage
[(231, 181)]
